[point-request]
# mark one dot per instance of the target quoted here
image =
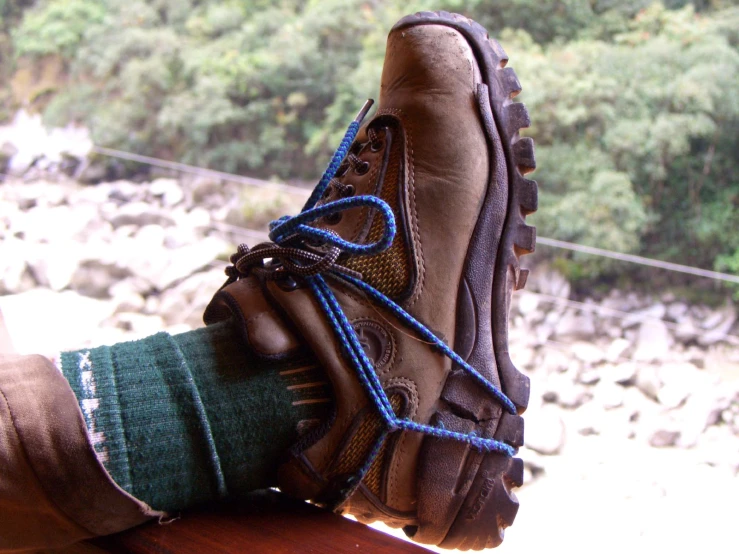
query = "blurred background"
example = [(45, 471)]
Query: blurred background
[(140, 142)]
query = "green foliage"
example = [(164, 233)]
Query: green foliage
[(637, 137), (635, 104), (58, 28)]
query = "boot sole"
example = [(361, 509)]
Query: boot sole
[(465, 499)]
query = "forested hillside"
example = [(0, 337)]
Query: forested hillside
[(635, 105)]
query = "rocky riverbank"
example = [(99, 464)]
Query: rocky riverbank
[(630, 395)]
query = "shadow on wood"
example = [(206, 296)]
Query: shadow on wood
[(267, 522)]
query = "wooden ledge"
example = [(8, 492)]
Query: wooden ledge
[(268, 522)]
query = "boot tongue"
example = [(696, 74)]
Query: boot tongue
[(389, 271)]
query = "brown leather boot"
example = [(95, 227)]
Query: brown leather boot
[(417, 440)]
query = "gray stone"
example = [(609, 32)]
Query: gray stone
[(650, 313), (677, 310), (622, 373), (549, 281), (653, 341), (703, 409), (678, 380), (648, 381), (608, 395), (94, 278), (14, 277), (70, 321), (664, 437), (617, 350), (126, 296), (589, 376), (185, 302), (545, 431), (561, 389), (139, 324), (168, 190), (719, 325), (139, 214), (575, 324), (555, 360), (546, 329), (686, 330), (527, 303), (588, 353)]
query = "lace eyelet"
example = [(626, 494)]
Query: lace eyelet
[(343, 168), (333, 219), (326, 193), (376, 147), (348, 191), (288, 284), (362, 168)]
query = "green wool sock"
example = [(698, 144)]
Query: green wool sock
[(185, 419)]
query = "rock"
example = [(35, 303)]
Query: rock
[(139, 214), (13, 275), (677, 310), (622, 374), (168, 190), (589, 376), (653, 312), (36, 146), (550, 282), (664, 437), (555, 360), (608, 395), (702, 409), (41, 321), (7, 151), (139, 324), (648, 381), (53, 266), (575, 325), (678, 380), (94, 278), (126, 296), (588, 353), (547, 327), (617, 350), (186, 302), (187, 260), (527, 304), (653, 341), (719, 325), (718, 448), (545, 431), (560, 388)]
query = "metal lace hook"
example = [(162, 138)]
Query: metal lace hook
[(365, 109)]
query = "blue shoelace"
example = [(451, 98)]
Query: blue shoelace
[(288, 227)]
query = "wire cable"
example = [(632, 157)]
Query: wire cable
[(185, 168), (638, 260), (194, 170)]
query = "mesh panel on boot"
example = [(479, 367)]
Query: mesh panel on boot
[(361, 443), (390, 271)]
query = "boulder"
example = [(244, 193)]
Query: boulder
[(653, 341), (545, 430), (575, 324), (718, 325)]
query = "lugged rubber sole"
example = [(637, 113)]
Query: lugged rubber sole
[(464, 497)]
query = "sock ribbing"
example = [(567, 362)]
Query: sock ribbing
[(180, 420)]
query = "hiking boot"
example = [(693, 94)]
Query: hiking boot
[(398, 276)]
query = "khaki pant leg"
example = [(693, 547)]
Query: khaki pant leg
[(53, 489)]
